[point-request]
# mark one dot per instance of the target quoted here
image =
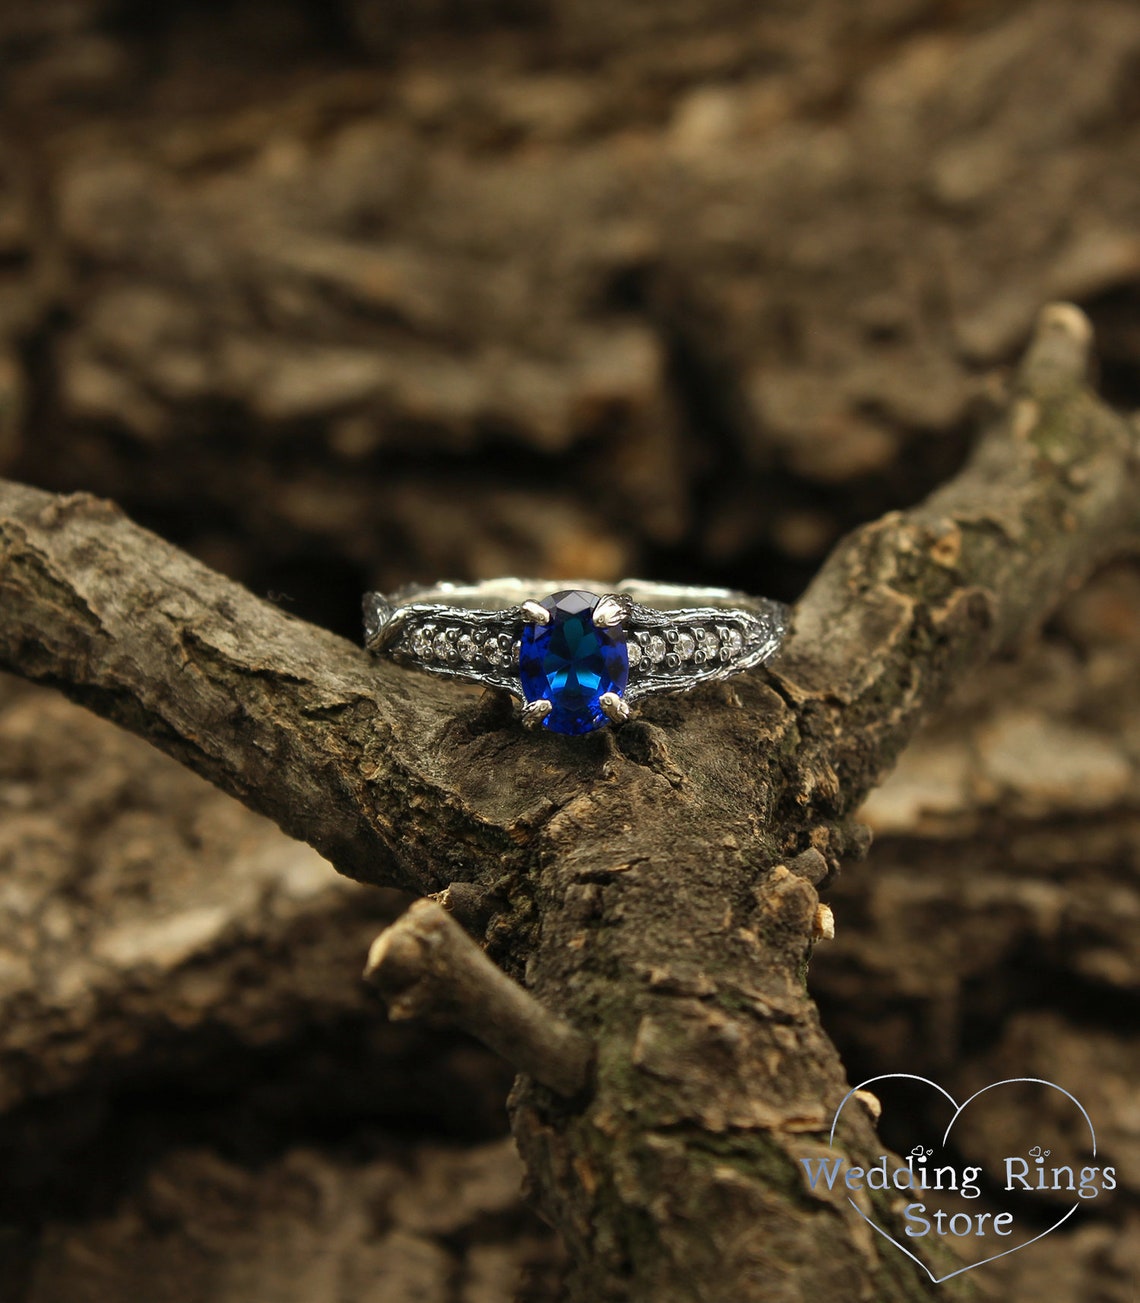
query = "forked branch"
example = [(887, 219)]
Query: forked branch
[(633, 879)]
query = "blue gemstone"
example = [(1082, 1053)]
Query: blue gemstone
[(570, 662)]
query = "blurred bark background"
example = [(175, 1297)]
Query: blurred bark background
[(337, 295)]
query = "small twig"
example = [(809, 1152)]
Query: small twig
[(426, 963)]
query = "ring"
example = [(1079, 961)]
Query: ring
[(575, 653)]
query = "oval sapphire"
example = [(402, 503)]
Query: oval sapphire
[(570, 662)]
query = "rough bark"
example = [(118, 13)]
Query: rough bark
[(441, 1224), (685, 289), (695, 287), (993, 930), (638, 877), (186, 1045), (150, 921)]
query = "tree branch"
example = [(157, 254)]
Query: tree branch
[(905, 607), (426, 965), (635, 875), (340, 750)]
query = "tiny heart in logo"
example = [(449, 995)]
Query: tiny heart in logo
[(1036, 1153)]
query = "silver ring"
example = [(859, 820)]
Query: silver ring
[(575, 652)]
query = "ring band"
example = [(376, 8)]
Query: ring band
[(575, 652)]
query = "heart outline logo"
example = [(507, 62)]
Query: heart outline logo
[(958, 1110)]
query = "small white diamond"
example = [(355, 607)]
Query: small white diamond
[(466, 647), (655, 648), (686, 645), (442, 646), (710, 645), (733, 642), (421, 642), (634, 651)]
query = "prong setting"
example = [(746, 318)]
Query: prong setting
[(610, 611), (535, 613), (534, 712), (614, 708)]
